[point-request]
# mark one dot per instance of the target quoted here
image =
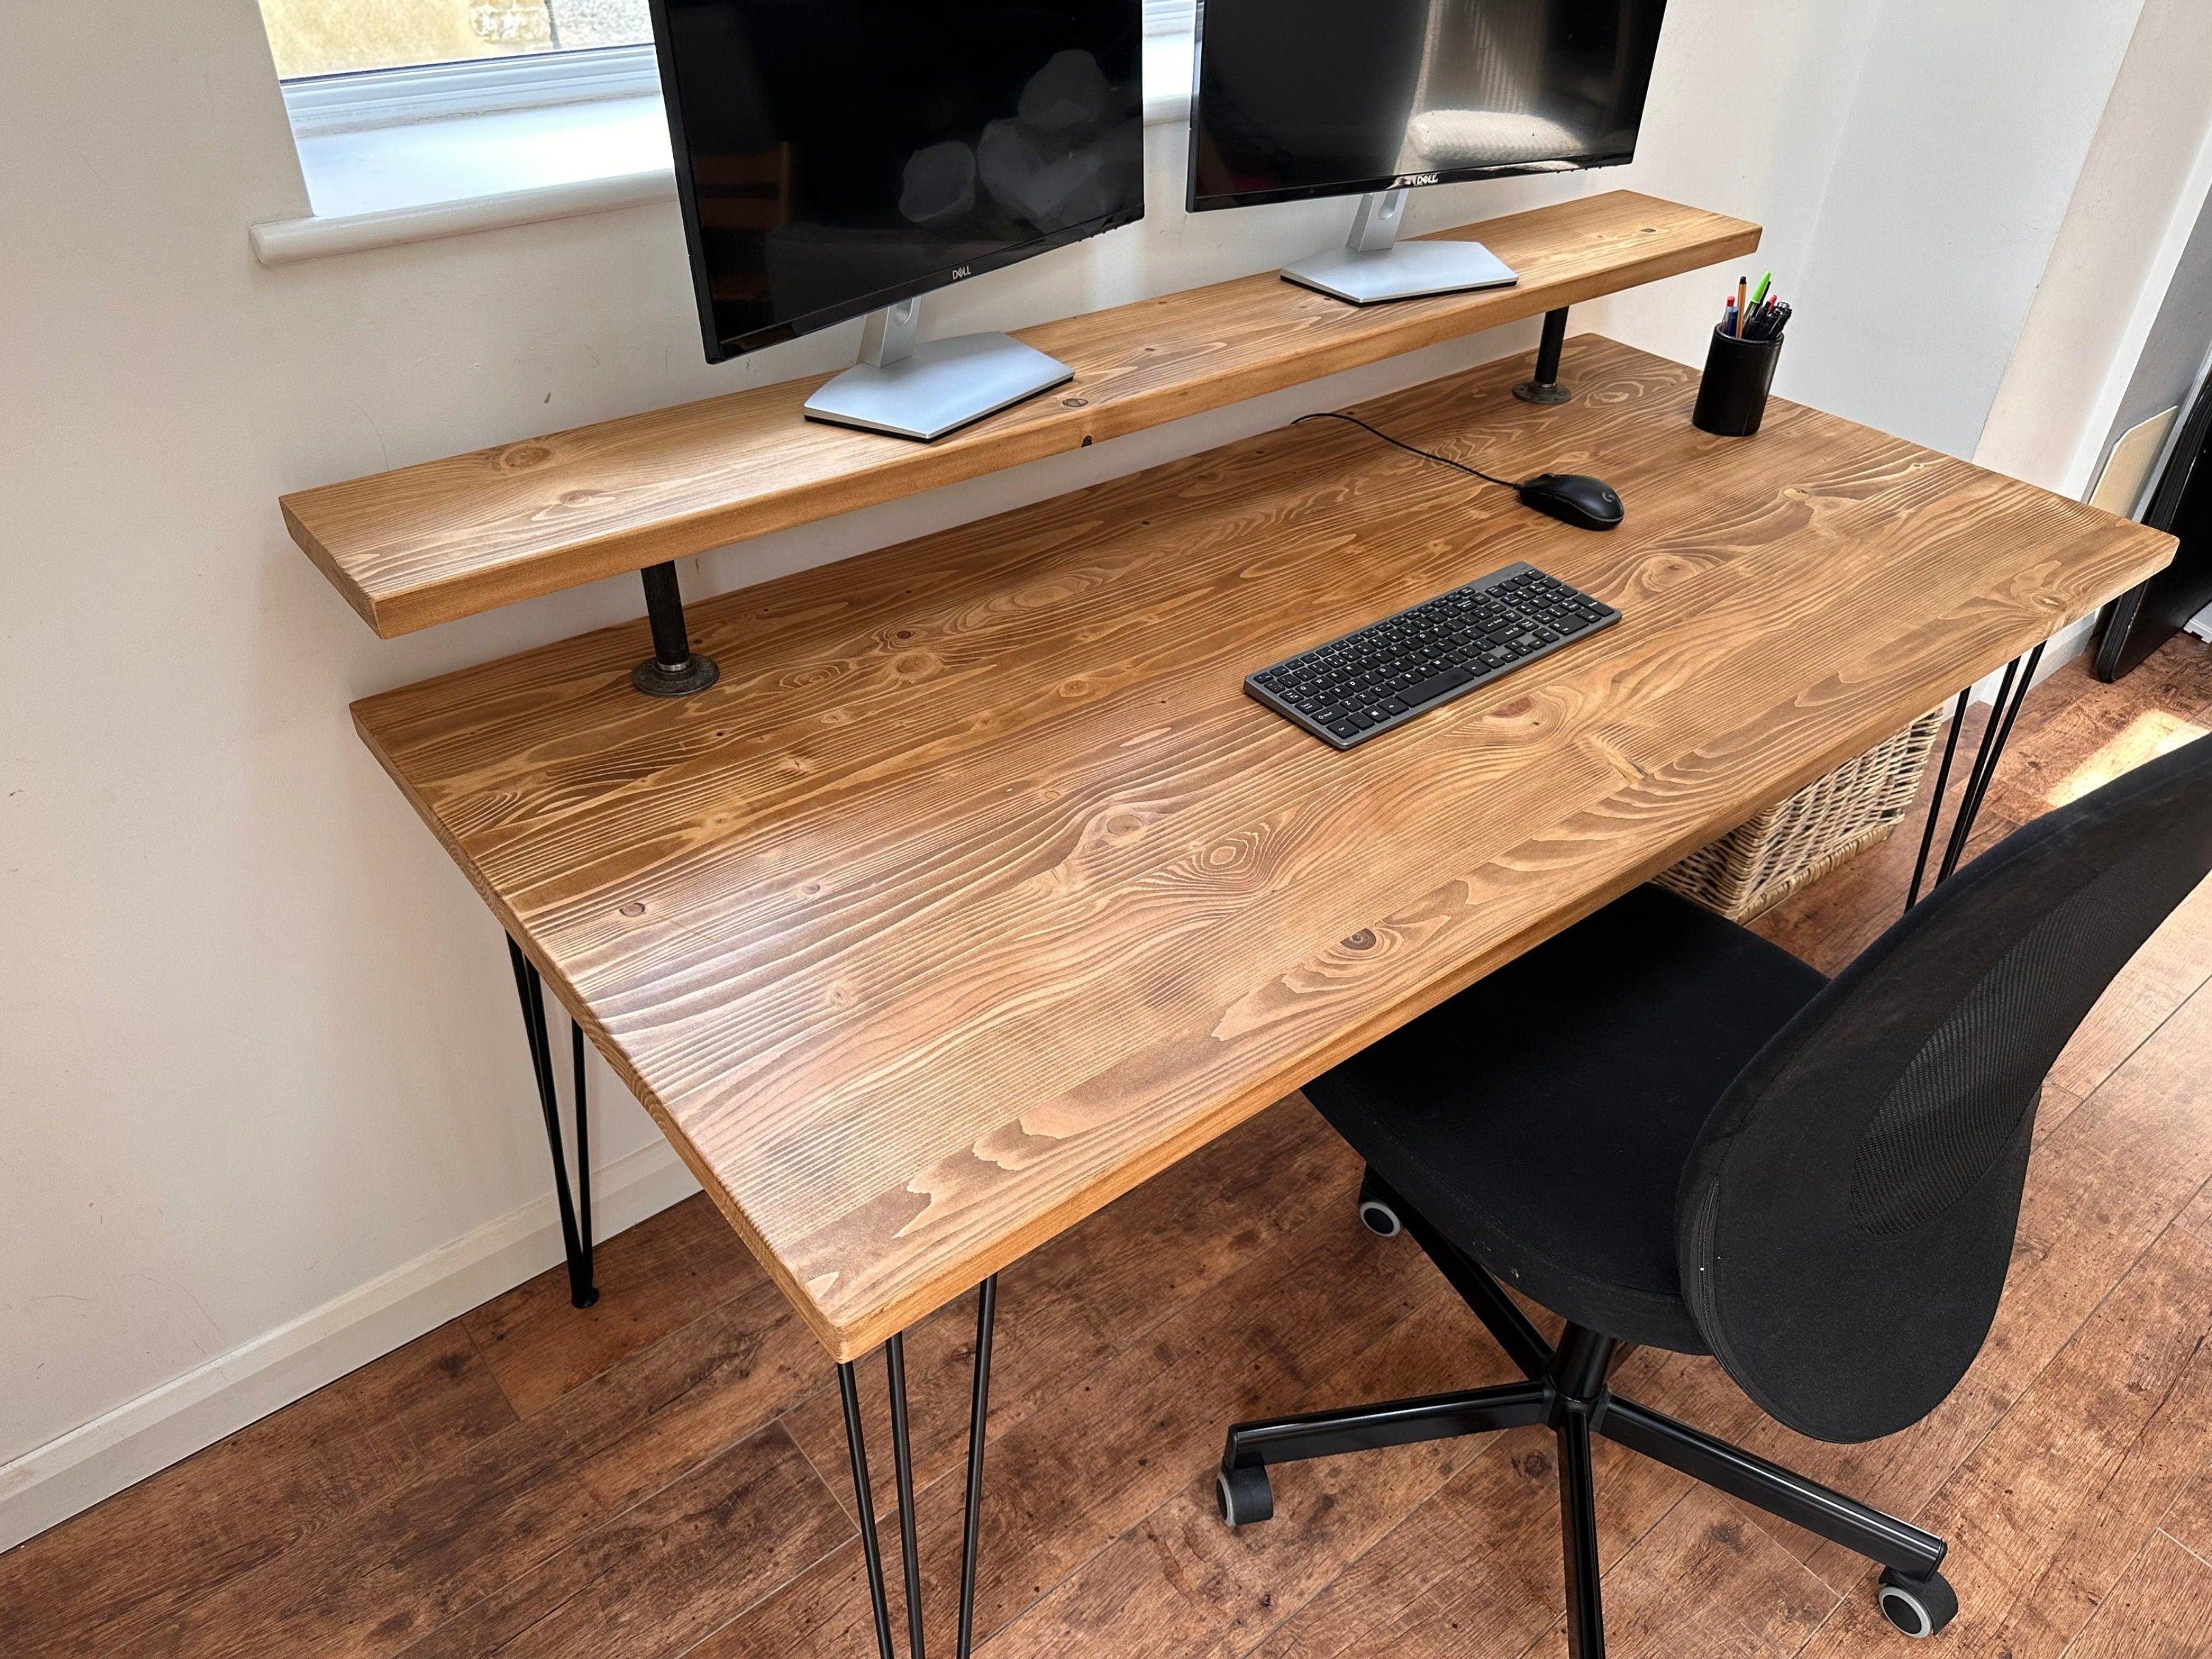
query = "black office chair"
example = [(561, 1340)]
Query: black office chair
[(1671, 1133)]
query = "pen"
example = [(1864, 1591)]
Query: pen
[(1742, 303), (1759, 293)]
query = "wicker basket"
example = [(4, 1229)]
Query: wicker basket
[(1759, 864)]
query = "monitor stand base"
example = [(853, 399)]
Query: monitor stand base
[(1374, 265), (925, 390)]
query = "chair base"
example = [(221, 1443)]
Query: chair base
[(1567, 1393)]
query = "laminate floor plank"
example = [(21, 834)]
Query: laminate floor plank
[(1180, 1585), (652, 1277), (403, 1567), (1708, 1581), (2045, 1517), (2089, 733), (1093, 1462), (114, 1579), (1474, 1572), (1066, 1310), (2057, 1106), (2197, 1217), (2162, 1610), (649, 1584), (2167, 971), (2189, 1520), (1475, 1568)]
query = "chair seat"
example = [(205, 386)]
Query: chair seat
[(1541, 1120)]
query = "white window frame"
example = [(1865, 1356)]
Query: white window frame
[(367, 99), (1169, 16), (364, 100)]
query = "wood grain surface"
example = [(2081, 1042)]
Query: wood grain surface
[(451, 537), (977, 892)]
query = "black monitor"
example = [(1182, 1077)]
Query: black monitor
[(840, 157), (1303, 97)]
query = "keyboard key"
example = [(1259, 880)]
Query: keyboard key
[(1450, 680)]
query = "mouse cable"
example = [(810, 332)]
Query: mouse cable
[(1411, 449)]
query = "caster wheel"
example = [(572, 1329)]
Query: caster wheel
[(1376, 1213), (1918, 1606), (1380, 1218), (1244, 1496)]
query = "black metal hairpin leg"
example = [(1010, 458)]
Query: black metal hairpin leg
[(987, 1308), (2012, 693), (576, 1214), (864, 1496), (903, 1463), (979, 1409)]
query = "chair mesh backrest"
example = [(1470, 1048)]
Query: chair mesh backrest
[(1847, 1218)]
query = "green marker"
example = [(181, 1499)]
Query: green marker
[(1759, 299)]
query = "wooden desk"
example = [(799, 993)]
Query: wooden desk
[(977, 892)]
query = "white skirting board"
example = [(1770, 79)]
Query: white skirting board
[(73, 1472), (2201, 623)]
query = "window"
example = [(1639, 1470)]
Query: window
[(314, 37), (350, 65), (438, 105), (1169, 16)]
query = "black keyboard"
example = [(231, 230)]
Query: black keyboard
[(1388, 672)]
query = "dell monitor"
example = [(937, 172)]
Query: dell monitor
[(1300, 98), (842, 158)]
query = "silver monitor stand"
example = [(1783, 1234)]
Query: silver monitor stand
[(1374, 264), (924, 390)]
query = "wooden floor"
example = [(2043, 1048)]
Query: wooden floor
[(665, 1474)]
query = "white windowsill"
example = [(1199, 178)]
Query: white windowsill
[(394, 184)]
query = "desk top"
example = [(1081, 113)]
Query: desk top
[(451, 537), (978, 892)]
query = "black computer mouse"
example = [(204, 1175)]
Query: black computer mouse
[(1574, 498)]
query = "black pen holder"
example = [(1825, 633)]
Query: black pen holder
[(1738, 373)]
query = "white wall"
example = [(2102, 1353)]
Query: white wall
[(2118, 253), (1969, 129), (1748, 108), (263, 1107), (2172, 363)]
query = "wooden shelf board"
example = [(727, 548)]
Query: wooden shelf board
[(448, 538)]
